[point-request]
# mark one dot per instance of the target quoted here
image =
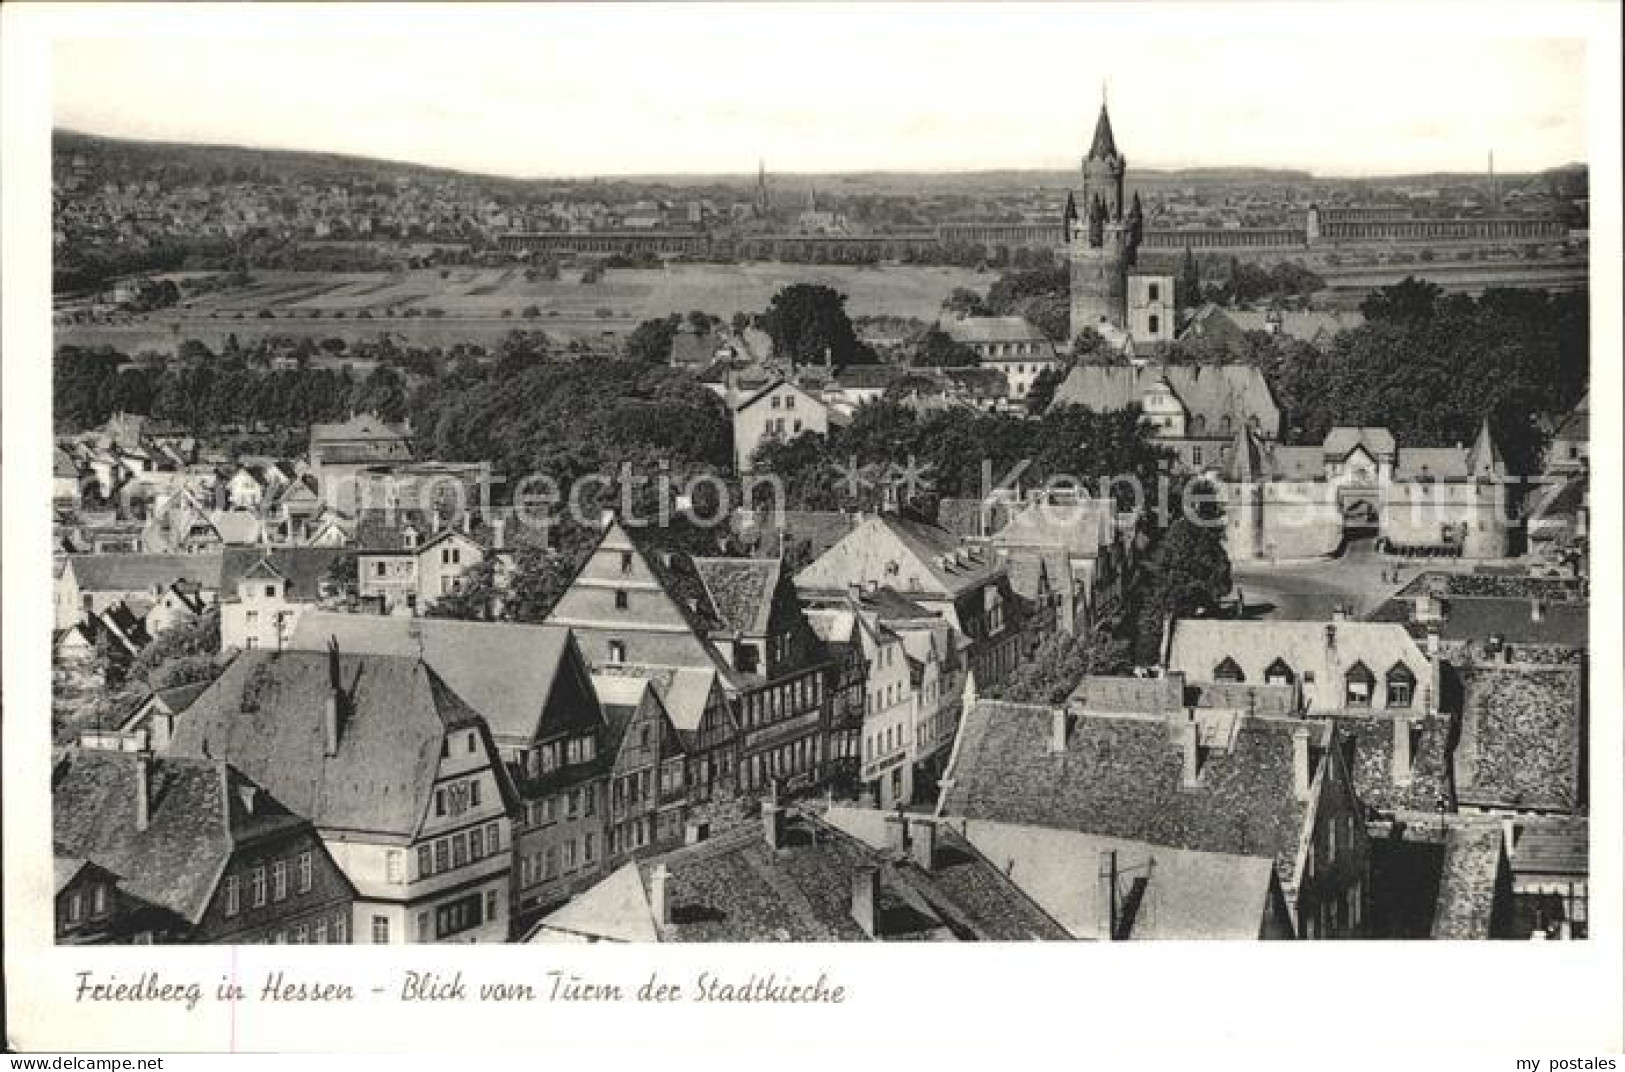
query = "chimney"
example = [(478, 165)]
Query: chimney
[(330, 715), (499, 534), (696, 832), (1108, 894), (1537, 609), (659, 901), (1057, 731), (866, 900), (773, 823), (1340, 613), (1300, 762), (922, 843), (143, 787), (897, 832), (1402, 752), (1190, 753)]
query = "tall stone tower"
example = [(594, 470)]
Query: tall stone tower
[(1102, 235)]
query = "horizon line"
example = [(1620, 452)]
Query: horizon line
[(752, 173)]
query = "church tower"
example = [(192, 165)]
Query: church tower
[(1102, 235)]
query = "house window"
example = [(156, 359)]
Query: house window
[(471, 746), (490, 904), (341, 929), (393, 867), (304, 872), (425, 861), (320, 932), (1151, 293), (621, 600), (570, 855), (270, 590), (380, 930), (301, 934), (251, 643), (256, 886), (233, 895), (1153, 323), (1357, 686), (442, 855), (1228, 670), (574, 807), (586, 850), (1279, 673), (279, 880), (76, 907), (626, 561), (423, 927), (1196, 452), (493, 837), (1401, 686), (617, 651)]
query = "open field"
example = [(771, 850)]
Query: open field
[(471, 302)]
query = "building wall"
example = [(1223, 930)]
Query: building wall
[(392, 578), (781, 414), (1152, 315), (1332, 895), (562, 843), (441, 567), (301, 915)]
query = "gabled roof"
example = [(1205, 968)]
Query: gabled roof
[(742, 591), (972, 330), (143, 573), (1475, 885), (1340, 442), (265, 715), (1082, 527), (734, 888), (511, 674), (929, 560), (1120, 776), (1211, 392), (197, 817), (1328, 649), (1522, 732), (1187, 894), (302, 567)]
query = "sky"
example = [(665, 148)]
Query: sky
[(651, 89)]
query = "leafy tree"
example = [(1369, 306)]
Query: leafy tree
[(807, 320), (180, 655), (1188, 576), (1189, 287), (964, 302), (650, 341), (935, 348), (1060, 661), (1042, 392)]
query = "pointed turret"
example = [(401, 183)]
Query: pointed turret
[(1484, 461), (1104, 146), (1069, 215)]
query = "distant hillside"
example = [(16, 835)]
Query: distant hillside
[(126, 159)]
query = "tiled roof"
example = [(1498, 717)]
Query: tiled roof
[(1328, 649), (970, 519), (362, 427), (265, 715), (1340, 442), (929, 547), (1552, 847), (302, 567), (1478, 606), (1145, 695), (1368, 750), (1120, 776), (742, 591), (197, 814), (985, 329), (507, 672), (1521, 737), (1211, 392), (735, 888), (1474, 885), (1271, 700), (819, 529), (139, 573), (1186, 894), (1082, 527)]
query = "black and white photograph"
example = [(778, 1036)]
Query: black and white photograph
[(584, 476)]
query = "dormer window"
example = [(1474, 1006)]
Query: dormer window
[(1357, 686), (1278, 673), (1401, 686), (1228, 670)]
